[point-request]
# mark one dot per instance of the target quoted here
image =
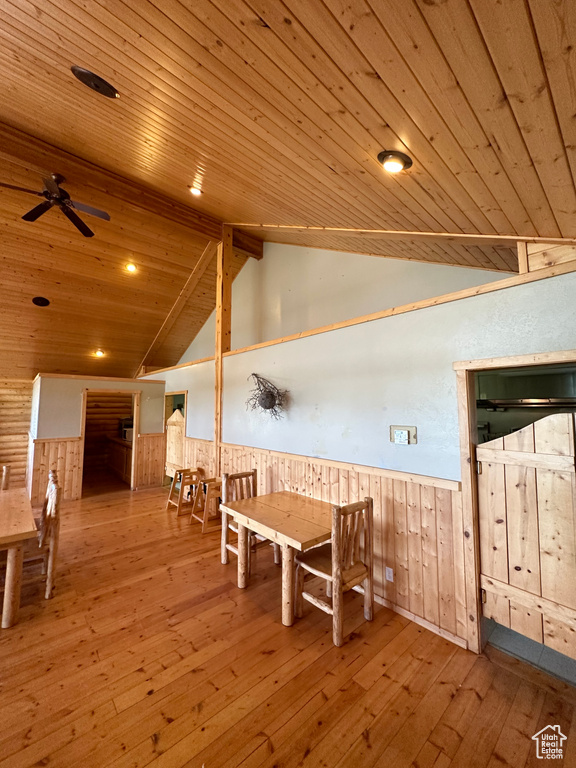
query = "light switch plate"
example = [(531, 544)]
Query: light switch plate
[(403, 435), (389, 574)]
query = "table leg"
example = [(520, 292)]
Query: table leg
[(287, 585), (15, 558), (242, 556)]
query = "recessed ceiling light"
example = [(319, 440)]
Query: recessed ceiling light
[(131, 267), (95, 82), (40, 301), (99, 353), (394, 161), (195, 191)]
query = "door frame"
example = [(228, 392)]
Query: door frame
[(466, 396), (170, 394), (136, 398)]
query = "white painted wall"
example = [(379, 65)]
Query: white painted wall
[(35, 407), (60, 404), (198, 382), (348, 386), (293, 289)]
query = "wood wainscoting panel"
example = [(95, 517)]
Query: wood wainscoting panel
[(150, 460), (418, 528), (200, 453), (65, 455)]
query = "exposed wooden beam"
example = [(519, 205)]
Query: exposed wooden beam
[(179, 304), (396, 234), (35, 155), (522, 257), (223, 331)]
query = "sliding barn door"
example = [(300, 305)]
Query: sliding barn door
[(527, 510)]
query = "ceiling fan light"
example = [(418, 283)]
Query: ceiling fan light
[(394, 161)]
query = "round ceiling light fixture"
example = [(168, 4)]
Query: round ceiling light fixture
[(95, 82), (131, 267), (40, 301), (394, 161), (99, 353), (195, 191)]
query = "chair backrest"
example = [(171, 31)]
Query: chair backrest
[(192, 476), (212, 498), (351, 526), (50, 519), (241, 485)]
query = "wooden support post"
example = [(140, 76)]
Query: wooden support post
[(523, 265), (223, 332), (5, 477)]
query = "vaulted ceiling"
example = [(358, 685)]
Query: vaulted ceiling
[(277, 110)]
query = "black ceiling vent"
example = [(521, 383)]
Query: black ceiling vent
[(95, 82)]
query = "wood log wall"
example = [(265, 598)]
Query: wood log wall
[(103, 412), (15, 407), (418, 530)]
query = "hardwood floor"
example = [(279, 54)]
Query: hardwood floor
[(148, 654)]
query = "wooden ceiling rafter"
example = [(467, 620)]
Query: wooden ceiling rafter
[(184, 296)]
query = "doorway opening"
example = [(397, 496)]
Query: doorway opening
[(520, 455), (109, 441), (175, 428)]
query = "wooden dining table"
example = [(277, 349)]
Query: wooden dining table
[(16, 526), (293, 521)]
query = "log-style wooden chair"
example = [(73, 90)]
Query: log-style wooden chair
[(186, 490), (207, 507), (341, 563), (241, 485), (45, 548)]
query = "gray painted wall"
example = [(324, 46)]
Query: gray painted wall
[(198, 382), (293, 289), (348, 386), (60, 405)]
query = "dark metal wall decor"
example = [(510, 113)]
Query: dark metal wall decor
[(267, 397)]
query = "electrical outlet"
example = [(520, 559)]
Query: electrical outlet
[(389, 574)]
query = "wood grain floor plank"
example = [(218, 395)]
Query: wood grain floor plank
[(148, 654)]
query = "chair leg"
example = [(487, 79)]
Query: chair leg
[(224, 546), (299, 600), (368, 598), (337, 617), (51, 569), (172, 486), (328, 589)]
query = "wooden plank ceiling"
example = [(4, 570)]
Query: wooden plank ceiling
[(277, 110)]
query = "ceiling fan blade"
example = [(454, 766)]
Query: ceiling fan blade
[(21, 189), (76, 220), (92, 211), (36, 212), (51, 186)]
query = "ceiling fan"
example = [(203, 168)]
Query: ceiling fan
[(56, 196)]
